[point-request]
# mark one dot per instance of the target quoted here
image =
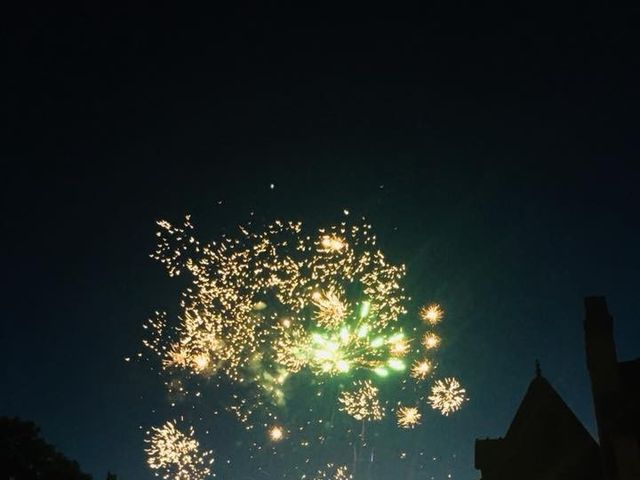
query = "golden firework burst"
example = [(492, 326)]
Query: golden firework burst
[(430, 341), (177, 453), (408, 417), (421, 369), (447, 396), (432, 314)]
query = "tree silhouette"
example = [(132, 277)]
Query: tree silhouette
[(24, 455)]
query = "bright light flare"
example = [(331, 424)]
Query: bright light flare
[(276, 433)]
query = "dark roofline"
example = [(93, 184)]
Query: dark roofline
[(541, 384)]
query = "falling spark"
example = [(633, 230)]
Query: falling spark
[(447, 396), (408, 417), (432, 314)]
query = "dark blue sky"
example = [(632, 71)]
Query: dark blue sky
[(494, 152)]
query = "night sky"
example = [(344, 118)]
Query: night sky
[(494, 151)]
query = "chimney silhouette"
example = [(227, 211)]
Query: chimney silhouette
[(619, 449)]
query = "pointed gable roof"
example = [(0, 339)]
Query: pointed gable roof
[(541, 411), (547, 437), (544, 441)]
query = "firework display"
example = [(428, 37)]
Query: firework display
[(270, 311)]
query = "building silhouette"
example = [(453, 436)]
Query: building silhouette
[(616, 395), (546, 441)]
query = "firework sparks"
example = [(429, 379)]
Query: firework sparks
[(227, 319), (362, 403), (431, 341), (177, 454), (408, 417), (421, 369), (447, 396), (398, 345), (292, 347), (431, 314), (332, 472), (332, 243), (331, 310)]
